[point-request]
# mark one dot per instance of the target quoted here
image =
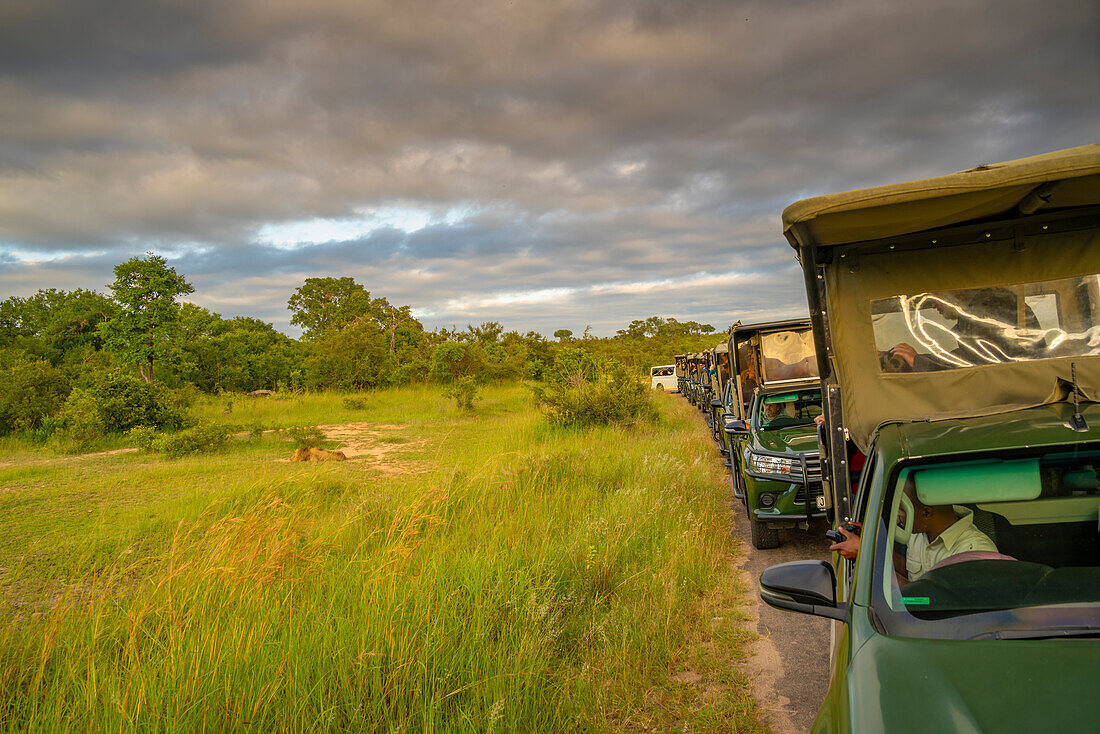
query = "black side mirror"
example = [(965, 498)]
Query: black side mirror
[(736, 427), (803, 586), (715, 403)]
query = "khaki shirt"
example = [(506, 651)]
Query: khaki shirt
[(921, 556)]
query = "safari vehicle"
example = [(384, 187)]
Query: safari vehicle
[(700, 380), (662, 377), (681, 373), (770, 408), (720, 377), (957, 325)]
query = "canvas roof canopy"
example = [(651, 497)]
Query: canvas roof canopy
[(1016, 229), (1064, 178)]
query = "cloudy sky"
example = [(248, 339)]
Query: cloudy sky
[(544, 163)]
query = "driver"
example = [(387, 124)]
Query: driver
[(775, 411), (938, 533)]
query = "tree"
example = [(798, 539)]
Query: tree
[(329, 303), (146, 328), (563, 334), (394, 317), (488, 333)]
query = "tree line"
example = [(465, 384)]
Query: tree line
[(140, 337)]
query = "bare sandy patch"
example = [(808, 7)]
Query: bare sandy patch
[(376, 446)]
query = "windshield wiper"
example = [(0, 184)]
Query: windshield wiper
[(1042, 633)]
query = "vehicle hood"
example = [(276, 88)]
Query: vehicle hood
[(787, 440), (901, 685)]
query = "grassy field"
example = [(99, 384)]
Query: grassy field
[(481, 573)]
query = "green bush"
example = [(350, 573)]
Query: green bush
[(465, 391), (82, 418), (355, 403), (574, 366), (29, 392), (613, 396), (145, 437), (204, 438), (124, 401)]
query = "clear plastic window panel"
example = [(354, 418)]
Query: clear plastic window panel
[(958, 329), (788, 355)]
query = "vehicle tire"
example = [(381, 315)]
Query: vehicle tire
[(763, 537), (660, 387)]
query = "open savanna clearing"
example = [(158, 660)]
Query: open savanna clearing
[(459, 572)]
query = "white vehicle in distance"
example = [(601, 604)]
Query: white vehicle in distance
[(663, 377)]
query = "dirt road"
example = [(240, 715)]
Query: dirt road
[(790, 662)]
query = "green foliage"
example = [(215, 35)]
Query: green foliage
[(355, 403), (663, 328), (117, 402), (147, 327), (452, 360), (29, 392), (356, 357), (465, 391), (573, 365), (204, 438), (304, 437), (52, 322), (324, 304), (613, 396), (82, 418), (563, 335)]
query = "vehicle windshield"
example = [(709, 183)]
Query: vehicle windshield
[(955, 329), (662, 371), (995, 548), (788, 409), (788, 355)]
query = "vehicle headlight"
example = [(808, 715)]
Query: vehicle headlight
[(771, 464)]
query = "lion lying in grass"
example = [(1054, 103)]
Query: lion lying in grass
[(317, 454)]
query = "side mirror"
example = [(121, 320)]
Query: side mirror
[(736, 427), (803, 586), (715, 403)]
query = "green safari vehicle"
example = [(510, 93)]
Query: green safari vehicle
[(770, 406), (957, 326)]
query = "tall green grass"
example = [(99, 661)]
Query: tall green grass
[(533, 579)]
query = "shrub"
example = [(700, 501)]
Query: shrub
[(465, 391), (125, 401), (145, 438), (355, 403), (185, 396), (612, 397), (82, 418), (29, 392), (574, 366), (204, 438)]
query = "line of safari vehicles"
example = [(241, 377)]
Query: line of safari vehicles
[(953, 354)]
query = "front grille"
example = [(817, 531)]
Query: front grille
[(816, 491)]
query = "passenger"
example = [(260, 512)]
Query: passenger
[(938, 533), (985, 332)]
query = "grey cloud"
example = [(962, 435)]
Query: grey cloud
[(596, 142)]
